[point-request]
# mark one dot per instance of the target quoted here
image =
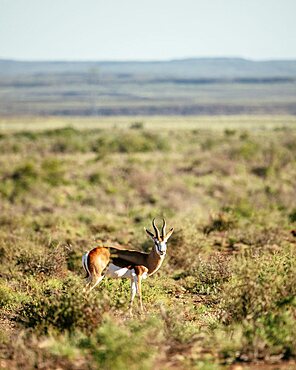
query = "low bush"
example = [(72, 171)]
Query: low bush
[(137, 125), (130, 142), (184, 247), (50, 263), (112, 345), (66, 140), (267, 338), (209, 276), (62, 309), (258, 307), (177, 329), (6, 295), (249, 293), (11, 299), (123, 347), (292, 215), (19, 181), (53, 171), (247, 150), (222, 221)]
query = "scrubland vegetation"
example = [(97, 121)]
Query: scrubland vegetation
[(226, 291)]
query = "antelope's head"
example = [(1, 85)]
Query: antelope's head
[(160, 240)]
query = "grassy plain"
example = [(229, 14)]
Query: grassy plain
[(243, 122), (226, 292)]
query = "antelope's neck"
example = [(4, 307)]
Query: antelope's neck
[(154, 261)]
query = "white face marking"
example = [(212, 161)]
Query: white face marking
[(160, 247), (118, 272)]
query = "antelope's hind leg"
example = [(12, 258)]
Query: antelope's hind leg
[(93, 276), (98, 279), (98, 261)]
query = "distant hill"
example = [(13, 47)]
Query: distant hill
[(177, 87), (186, 68)]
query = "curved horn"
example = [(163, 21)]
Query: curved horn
[(163, 228), (155, 229)]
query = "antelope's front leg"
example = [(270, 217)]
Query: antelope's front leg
[(133, 290), (139, 291)]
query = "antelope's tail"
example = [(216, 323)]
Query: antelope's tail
[(85, 265)]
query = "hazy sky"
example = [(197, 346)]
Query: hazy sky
[(146, 29)]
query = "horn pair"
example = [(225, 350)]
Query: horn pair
[(157, 233)]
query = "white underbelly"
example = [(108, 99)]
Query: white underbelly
[(118, 272)]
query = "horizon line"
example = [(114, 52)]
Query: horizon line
[(178, 59)]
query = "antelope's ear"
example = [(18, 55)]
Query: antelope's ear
[(169, 234), (149, 233)]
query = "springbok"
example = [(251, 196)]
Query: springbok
[(123, 263)]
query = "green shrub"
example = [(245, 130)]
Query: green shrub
[(65, 132), (208, 144), (49, 263), (292, 215), (222, 221), (184, 247), (176, 328), (240, 208), (229, 132), (19, 181), (112, 345), (6, 295), (96, 178), (267, 337), (206, 365), (32, 136), (67, 140), (122, 347), (129, 142), (244, 135), (258, 304), (24, 177), (137, 125), (64, 309), (53, 171), (25, 174), (248, 150), (29, 351), (261, 171), (209, 276), (250, 294), (68, 145), (10, 298)]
